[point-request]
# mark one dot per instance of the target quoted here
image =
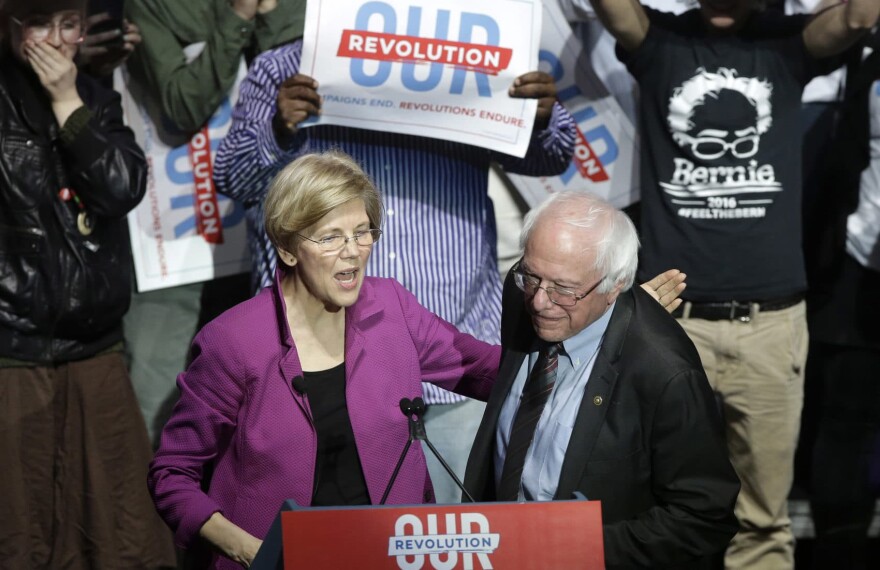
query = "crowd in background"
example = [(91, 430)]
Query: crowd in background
[(95, 353)]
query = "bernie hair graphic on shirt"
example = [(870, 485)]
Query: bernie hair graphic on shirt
[(736, 131)]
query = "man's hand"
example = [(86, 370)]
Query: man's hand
[(666, 288), (536, 85), (297, 100), (98, 54)]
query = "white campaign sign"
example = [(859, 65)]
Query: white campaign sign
[(182, 232), (441, 71), (606, 156)]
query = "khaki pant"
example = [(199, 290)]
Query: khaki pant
[(757, 370)]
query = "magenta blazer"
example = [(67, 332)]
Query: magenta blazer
[(238, 409)]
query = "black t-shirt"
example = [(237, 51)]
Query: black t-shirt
[(721, 154), (339, 476)]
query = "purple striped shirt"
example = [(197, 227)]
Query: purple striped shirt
[(439, 236)]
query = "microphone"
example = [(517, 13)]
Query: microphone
[(414, 410), (299, 384)]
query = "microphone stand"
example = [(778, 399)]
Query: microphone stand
[(414, 410)]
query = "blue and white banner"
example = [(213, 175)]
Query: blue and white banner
[(442, 71), (606, 155), (183, 231)]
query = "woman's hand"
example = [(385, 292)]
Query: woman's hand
[(57, 74), (235, 543), (666, 288)]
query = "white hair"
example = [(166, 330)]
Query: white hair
[(617, 247)]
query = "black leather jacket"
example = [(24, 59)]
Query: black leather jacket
[(62, 293)]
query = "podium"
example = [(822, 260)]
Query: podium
[(532, 535)]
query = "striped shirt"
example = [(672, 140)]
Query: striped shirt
[(439, 236)]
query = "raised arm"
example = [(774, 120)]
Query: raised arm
[(836, 27), (626, 20), (99, 152), (553, 136), (190, 91), (251, 153), (453, 360), (107, 167)]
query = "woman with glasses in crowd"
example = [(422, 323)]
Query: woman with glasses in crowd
[(295, 393), (74, 445)]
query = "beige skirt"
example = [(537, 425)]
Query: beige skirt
[(75, 451)]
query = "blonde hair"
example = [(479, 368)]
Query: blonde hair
[(312, 186)]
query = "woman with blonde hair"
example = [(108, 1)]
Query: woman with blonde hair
[(295, 393)]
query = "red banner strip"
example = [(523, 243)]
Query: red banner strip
[(588, 164), (208, 221), (361, 44)]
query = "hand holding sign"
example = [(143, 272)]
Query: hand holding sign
[(443, 70), (297, 100), (536, 85)]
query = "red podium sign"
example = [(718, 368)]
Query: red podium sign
[(539, 535)]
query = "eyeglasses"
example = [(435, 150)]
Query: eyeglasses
[(530, 284), (710, 148), (38, 28), (364, 238)]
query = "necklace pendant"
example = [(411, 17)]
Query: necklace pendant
[(84, 223)]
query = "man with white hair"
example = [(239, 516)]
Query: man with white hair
[(601, 391)]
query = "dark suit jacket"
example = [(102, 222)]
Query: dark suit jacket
[(647, 440)]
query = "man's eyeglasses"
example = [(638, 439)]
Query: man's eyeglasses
[(38, 28), (363, 238), (529, 284)]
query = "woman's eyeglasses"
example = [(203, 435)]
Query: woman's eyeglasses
[(336, 242), (38, 28)]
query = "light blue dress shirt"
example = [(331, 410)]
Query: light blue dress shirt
[(545, 456)]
